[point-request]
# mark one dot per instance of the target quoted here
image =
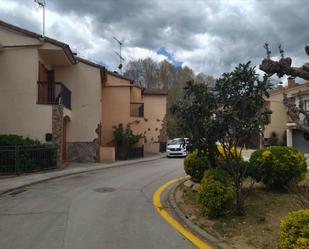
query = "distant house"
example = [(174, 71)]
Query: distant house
[(279, 120), (49, 94), (129, 104)]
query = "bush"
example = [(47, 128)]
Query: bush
[(124, 137), (11, 140), (195, 165), (276, 166), (234, 152), (302, 243), (216, 193), (294, 230), (273, 140)]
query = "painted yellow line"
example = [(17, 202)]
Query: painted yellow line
[(157, 203)]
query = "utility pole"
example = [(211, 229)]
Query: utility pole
[(121, 59), (42, 4)]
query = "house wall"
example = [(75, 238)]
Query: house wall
[(113, 80), (154, 113), (278, 119), (115, 110), (84, 82), (136, 94), (10, 37), (18, 90), (116, 98)]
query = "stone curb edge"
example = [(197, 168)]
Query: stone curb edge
[(79, 172), (190, 225)]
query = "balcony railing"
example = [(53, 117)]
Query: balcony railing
[(54, 93), (136, 109)]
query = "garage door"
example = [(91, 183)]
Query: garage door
[(299, 142)]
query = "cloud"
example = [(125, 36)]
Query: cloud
[(169, 56), (209, 36)]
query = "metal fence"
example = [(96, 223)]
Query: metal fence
[(125, 154), (162, 147), (27, 158)]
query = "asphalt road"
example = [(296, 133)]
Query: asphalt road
[(107, 209)]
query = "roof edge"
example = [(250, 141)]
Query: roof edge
[(66, 48)]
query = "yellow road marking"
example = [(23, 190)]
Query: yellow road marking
[(157, 203)]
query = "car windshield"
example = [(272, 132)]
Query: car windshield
[(177, 141)]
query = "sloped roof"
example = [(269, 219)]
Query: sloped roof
[(154, 91), (66, 48)]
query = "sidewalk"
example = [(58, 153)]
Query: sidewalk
[(12, 183)]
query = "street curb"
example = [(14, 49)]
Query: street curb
[(122, 164), (189, 224)]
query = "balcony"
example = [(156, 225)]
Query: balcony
[(136, 109), (53, 93)]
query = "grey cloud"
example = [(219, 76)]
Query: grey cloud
[(240, 28)]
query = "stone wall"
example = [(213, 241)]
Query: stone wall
[(82, 151), (57, 131)]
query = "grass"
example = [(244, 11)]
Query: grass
[(258, 228)]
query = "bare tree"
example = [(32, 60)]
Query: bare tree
[(297, 113), (283, 66)]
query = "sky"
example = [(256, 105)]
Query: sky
[(210, 36)]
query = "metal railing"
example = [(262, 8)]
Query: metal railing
[(162, 147), (136, 109), (130, 153), (27, 158), (54, 93)]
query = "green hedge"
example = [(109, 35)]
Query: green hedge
[(195, 165), (11, 140), (294, 230), (276, 166), (216, 193)]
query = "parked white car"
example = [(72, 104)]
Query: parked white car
[(177, 147)]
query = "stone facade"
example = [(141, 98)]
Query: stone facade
[(82, 151), (57, 131), (163, 131)]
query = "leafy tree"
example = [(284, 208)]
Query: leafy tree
[(242, 112), (209, 80), (230, 113), (167, 76), (195, 115)]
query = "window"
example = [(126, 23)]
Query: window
[(306, 105)]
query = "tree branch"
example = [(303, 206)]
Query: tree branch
[(283, 67), (294, 112)]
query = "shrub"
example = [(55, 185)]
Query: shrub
[(273, 140), (124, 137), (216, 193), (234, 151), (195, 165), (302, 243), (276, 166), (11, 140), (294, 230), (222, 159)]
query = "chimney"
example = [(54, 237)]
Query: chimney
[(291, 82)]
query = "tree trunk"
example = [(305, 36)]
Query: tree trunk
[(240, 209)]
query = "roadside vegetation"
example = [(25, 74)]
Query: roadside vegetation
[(243, 201)]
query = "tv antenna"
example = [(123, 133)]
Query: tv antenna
[(121, 59), (42, 4)]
